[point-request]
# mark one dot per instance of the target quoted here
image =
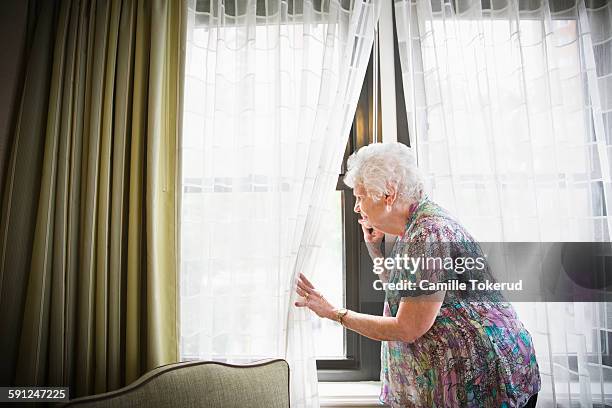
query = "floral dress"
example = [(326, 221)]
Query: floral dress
[(476, 354)]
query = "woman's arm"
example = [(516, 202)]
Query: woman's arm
[(414, 317)]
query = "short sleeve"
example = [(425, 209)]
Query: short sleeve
[(424, 265), (434, 261)]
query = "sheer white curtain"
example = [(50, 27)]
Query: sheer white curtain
[(510, 109), (270, 93)]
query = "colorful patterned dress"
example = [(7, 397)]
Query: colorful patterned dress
[(476, 354)]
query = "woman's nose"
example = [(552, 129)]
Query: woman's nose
[(356, 208)]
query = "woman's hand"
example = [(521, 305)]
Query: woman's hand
[(313, 299)]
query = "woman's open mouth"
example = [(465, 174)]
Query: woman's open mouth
[(365, 222)]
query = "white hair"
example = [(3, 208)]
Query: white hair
[(378, 166)]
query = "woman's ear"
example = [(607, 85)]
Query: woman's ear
[(391, 194)]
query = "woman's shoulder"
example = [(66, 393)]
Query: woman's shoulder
[(434, 222)]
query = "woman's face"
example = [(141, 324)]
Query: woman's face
[(372, 211)]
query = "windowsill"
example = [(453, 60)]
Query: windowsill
[(349, 394), (365, 394)]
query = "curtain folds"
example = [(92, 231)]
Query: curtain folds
[(271, 89), (509, 104), (22, 183), (14, 25), (101, 293)]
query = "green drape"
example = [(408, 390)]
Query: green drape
[(101, 294)]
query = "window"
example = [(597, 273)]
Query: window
[(223, 164)]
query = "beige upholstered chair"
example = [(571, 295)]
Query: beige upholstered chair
[(201, 384)]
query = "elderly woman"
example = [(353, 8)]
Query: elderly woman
[(439, 348)]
